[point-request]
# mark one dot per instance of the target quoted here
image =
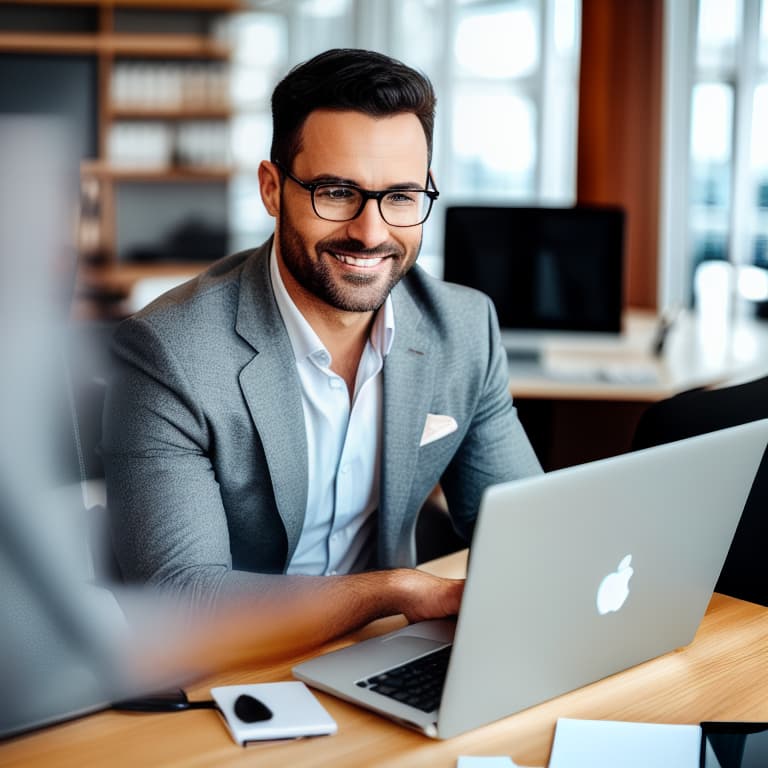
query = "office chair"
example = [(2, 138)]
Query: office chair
[(745, 572), (86, 367), (435, 535)]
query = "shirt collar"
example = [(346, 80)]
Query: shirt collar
[(304, 340)]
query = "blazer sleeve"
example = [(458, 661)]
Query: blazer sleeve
[(495, 448), (169, 526)]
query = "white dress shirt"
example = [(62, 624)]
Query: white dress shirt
[(343, 443)]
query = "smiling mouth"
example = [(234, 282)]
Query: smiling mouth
[(368, 263)]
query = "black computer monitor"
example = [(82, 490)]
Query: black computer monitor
[(546, 269)]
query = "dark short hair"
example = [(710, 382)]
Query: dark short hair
[(347, 79)]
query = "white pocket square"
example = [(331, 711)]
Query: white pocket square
[(437, 426)]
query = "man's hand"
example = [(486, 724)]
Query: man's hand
[(423, 596), (345, 603)]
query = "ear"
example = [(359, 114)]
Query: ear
[(269, 186)]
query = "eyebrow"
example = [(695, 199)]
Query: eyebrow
[(329, 179)]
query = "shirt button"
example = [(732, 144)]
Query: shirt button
[(335, 383)]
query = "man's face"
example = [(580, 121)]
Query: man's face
[(352, 265)]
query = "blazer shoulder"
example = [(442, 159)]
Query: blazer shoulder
[(449, 306), (206, 296), (433, 291)]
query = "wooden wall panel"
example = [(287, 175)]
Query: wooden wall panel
[(619, 139)]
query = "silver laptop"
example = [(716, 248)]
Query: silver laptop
[(573, 576)]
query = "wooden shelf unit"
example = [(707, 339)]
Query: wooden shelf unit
[(112, 46), (145, 46), (119, 278), (159, 5), (192, 174), (170, 113)]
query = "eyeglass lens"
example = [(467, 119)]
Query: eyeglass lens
[(400, 208)]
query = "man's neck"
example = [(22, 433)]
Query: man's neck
[(344, 335)]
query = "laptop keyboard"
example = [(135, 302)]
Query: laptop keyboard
[(418, 683)]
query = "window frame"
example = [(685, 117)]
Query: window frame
[(681, 75)]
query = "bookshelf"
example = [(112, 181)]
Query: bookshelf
[(162, 119)]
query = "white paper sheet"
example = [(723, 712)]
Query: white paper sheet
[(468, 761), (609, 743)]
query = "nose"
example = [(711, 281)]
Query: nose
[(369, 228)]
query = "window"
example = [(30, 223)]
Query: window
[(716, 184), (260, 48), (495, 110), (266, 44), (506, 76)]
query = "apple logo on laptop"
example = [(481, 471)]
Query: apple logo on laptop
[(614, 588)]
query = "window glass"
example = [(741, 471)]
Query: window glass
[(718, 32), (494, 141), (322, 24), (258, 39), (251, 137), (711, 161), (711, 140), (727, 172), (566, 27), (260, 42), (497, 42), (759, 153), (251, 86), (250, 223), (759, 164), (418, 27), (764, 33)]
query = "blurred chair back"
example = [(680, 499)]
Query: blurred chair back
[(745, 572), (88, 366)]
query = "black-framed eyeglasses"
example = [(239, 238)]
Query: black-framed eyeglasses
[(334, 201)]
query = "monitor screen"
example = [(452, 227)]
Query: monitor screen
[(546, 269)]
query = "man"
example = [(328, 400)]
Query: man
[(284, 416)]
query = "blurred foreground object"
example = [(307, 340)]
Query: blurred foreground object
[(66, 646)]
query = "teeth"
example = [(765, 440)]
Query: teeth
[(357, 262)]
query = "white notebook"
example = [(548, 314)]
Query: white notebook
[(609, 743)]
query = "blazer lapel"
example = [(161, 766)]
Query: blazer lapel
[(271, 389), (408, 384)]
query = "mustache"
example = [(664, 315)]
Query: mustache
[(355, 246)]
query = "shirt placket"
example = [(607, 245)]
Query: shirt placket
[(348, 500)]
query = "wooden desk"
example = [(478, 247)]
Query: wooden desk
[(722, 675), (695, 354), (583, 400)]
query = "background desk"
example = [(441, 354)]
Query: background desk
[(722, 675), (583, 400)]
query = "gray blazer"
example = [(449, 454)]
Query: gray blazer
[(204, 443)]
